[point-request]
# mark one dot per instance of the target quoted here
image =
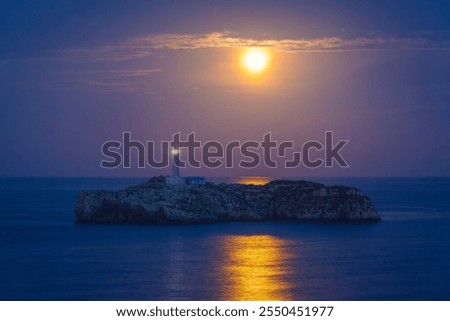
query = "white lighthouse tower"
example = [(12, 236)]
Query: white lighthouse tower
[(175, 178)]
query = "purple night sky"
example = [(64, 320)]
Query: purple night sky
[(75, 74)]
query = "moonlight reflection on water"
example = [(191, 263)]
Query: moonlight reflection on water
[(256, 268)]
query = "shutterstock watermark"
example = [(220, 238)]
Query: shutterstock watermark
[(214, 154)]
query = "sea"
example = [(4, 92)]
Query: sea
[(46, 255)]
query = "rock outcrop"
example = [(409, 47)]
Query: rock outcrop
[(157, 202)]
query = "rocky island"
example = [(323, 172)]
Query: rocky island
[(158, 202)]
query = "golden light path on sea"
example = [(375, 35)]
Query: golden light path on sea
[(255, 268), (253, 180)]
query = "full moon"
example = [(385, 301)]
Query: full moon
[(255, 60)]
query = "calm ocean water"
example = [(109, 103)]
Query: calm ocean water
[(45, 255)]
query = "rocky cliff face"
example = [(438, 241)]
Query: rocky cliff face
[(157, 202)]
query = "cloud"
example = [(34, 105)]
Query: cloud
[(145, 46), (227, 40), (114, 52), (119, 56), (121, 80)]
